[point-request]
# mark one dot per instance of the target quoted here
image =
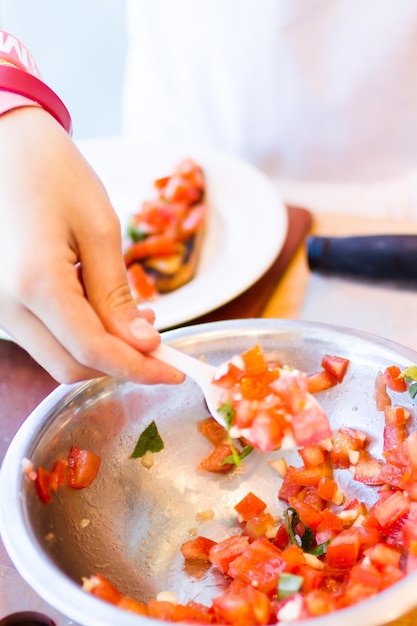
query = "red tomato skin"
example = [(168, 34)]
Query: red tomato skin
[(83, 467), (214, 461), (141, 285), (390, 509), (307, 513), (310, 426), (197, 549), (336, 366), (102, 588), (259, 565), (249, 506), (320, 381), (212, 430), (344, 549), (224, 552), (391, 377), (43, 484)]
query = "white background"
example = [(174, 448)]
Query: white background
[(79, 46)]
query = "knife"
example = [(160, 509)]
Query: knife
[(382, 257)]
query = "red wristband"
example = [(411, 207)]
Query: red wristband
[(18, 81)]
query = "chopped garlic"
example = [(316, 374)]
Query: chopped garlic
[(147, 460), (167, 596), (280, 466)]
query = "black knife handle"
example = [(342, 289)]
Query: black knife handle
[(384, 257)]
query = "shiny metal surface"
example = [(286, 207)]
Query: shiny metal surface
[(131, 522)]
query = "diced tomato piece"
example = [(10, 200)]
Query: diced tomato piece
[(346, 441), (320, 602), (257, 386), (327, 488), (266, 430), (391, 508), (288, 489), (312, 455), (193, 221), (141, 285), (192, 612), (228, 375), (368, 470), (282, 538), (308, 514), (305, 476), (382, 398), (246, 607), (254, 360), (410, 445), (335, 365), (152, 246), (259, 565), (393, 379), (313, 578), (396, 415), (197, 549), (344, 549), (364, 581), (43, 484), (102, 588), (212, 430), (320, 381), (59, 474), (310, 426), (161, 609), (249, 506), (383, 554), (134, 606), (261, 525), (214, 462), (224, 552), (83, 467), (294, 557)]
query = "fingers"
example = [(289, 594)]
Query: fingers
[(92, 352)]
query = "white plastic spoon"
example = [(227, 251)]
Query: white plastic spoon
[(202, 373)]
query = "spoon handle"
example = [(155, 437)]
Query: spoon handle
[(196, 369)]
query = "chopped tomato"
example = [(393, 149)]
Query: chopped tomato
[(140, 283), (43, 484), (224, 552), (83, 467), (249, 506), (258, 565), (197, 549), (212, 430), (102, 588), (336, 366), (392, 377), (214, 462)]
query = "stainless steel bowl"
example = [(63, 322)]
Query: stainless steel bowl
[(130, 523)]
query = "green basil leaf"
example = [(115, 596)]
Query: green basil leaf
[(150, 440), (321, 549), (228, 413), (237, 457)]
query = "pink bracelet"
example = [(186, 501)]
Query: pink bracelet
[(12, 50), (20, 82)]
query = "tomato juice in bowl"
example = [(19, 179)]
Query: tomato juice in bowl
[(131, 522)]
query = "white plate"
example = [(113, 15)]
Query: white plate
[(246, 228)]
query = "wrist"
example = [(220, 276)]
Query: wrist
[(16, 81)]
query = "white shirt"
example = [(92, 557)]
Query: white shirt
[(314, 92)]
